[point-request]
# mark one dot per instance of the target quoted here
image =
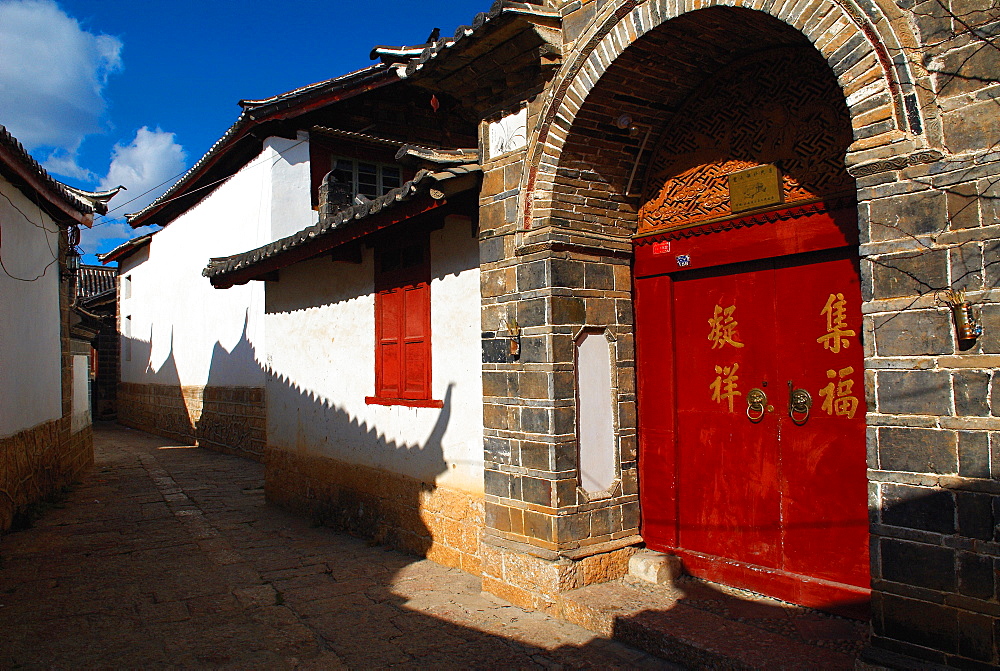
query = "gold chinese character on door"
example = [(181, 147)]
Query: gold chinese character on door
[(723, 328), (837, 333), (724, 388), (838, 396)]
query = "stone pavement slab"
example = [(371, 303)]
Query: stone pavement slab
[(167, 556)]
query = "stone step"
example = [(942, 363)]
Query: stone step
[(703, 625)]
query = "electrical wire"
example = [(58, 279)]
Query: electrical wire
[(55, 257), (111, 220)]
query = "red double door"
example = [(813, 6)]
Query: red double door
[(752, 416)]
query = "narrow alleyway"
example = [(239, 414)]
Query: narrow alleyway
[(167, 555)]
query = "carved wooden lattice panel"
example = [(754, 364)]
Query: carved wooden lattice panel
[(781, 107)]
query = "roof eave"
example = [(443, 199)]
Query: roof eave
[(166, 208), (23, 171)]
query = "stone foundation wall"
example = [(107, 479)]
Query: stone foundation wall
[(533, 582), (231, 420), (36, 463), (438, 523)]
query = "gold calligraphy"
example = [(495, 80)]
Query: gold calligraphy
[(838, 395), (837, 333), (723, 327), (724, 388)]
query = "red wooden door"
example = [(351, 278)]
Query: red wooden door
[(768, 497)]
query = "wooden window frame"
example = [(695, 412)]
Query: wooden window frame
[(323, 156), (407, 285)]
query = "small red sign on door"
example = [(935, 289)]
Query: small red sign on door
[(661, 247)]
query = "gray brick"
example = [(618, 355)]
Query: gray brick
[(927, 566), (914, 392), (921, 508), (971, 389), (974, 454), (909, 214), (918, 450), (910, 275), (915, 333), (967, 268)]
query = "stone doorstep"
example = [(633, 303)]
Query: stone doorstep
[(702, 625)]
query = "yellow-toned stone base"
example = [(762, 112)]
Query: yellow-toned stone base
[(536, 583), (35, 463), (444, 525), (231, 420)]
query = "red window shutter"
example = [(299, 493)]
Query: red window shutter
[(417, 341), (403, 322), (389, 356)]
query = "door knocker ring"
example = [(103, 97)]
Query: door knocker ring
[(799, 403), (756, 405)]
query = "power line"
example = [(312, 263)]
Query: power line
[(42, 226), (200, 188)]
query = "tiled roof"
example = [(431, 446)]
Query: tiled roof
[(84, 202), (354, 135), (126, 247), (95, 280), (409, 59), (424, 182), (255, 111)]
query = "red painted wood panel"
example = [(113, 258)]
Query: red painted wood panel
[(403, 321), (728, 466), (655, 384), (824, 483), (776, 505)]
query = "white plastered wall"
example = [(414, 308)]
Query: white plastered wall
[(185, 332), (81, 393), (321, 355), (30, 356)]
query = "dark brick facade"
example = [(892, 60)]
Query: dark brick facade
[(557, 220)]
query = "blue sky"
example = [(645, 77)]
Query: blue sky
[(108, 92)]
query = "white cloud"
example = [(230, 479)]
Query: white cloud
[(146, 168), (52, 78), (63, 163)]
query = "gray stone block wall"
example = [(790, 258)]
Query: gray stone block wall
[(926, 156), (551, 286)]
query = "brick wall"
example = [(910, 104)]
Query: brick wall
[(551, 286), (231, 420), (36, 463), (441, 524), (924, 157)]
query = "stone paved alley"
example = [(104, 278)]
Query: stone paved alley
[(168, 556)]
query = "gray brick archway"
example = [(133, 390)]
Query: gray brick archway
[(559, 265)]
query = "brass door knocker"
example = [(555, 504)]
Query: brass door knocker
[(799, 403), (756, 404)]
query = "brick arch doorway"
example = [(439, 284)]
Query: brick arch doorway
[(749, 346)]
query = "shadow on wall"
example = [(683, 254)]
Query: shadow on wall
[(360, 499), (157, 405), (226, 415)]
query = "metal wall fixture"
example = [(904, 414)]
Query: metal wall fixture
[(72, 253), (967, 325), (513, 330)]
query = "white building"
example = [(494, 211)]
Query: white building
[(45, 433), (353, 369)]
